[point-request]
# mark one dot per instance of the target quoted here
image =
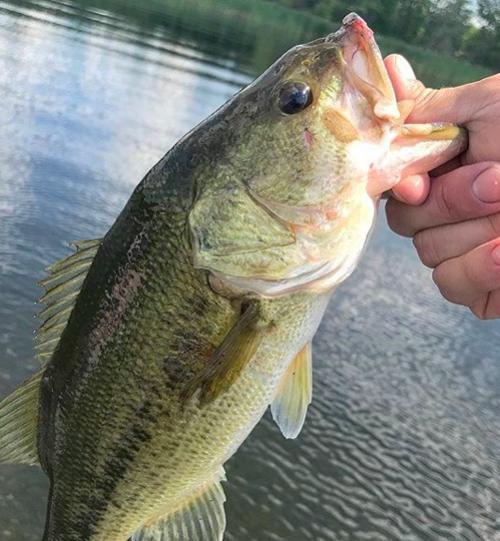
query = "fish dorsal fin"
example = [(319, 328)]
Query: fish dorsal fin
[(199, 518), (62, 285), (19, 423), (294, 394)]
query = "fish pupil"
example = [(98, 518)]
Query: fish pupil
[(294, 97)]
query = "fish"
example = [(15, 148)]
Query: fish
[(163, 343)]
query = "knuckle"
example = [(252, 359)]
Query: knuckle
[(492, 305), (423, 95), (473, 272), (479, 311), (479, 271), (481, 307), (487, 95), (493, 224), (394, 217), (446, 204), (439, 278), (495, 276), (424, 242)]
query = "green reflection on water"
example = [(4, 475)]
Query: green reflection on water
[(255, 33)]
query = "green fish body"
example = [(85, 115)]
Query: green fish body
[(163, 343), (142, 327)]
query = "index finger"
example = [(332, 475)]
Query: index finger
[(458, 105)]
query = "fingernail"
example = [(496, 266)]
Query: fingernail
[(486, 187), (404, 68), (495, 254)]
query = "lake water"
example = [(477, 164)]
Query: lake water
[(402, 440)]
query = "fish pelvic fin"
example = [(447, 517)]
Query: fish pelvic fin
[(201, 517), (62, 286), (229, 358), (294, 394), (19, 423)]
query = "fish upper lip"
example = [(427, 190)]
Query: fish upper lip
[(365, 66)]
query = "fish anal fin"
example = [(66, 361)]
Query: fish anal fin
[(19, 423), (294, 394), (229, 358), (200, 517), (62, 286)]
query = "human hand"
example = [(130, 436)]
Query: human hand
[(457, 230)]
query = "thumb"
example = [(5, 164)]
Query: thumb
[(458, 105)]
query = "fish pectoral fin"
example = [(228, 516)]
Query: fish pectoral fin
[(62, 286), (19, 424), (229, 359), (199, 518), (289, 407)]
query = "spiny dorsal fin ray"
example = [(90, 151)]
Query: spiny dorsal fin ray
[(19, 423), (200, 518), (62, 286), (289, 407), (57, 306)]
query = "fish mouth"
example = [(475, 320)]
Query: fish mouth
[(364, 66)]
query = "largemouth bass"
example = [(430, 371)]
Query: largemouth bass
[(163, 343)]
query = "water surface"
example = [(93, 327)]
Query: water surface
[(402, 439)]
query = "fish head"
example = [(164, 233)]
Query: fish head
[(315, 141), (334, 126)]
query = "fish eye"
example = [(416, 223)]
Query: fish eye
[(294, 97)]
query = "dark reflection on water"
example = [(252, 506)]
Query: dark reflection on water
[(402, 439)]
